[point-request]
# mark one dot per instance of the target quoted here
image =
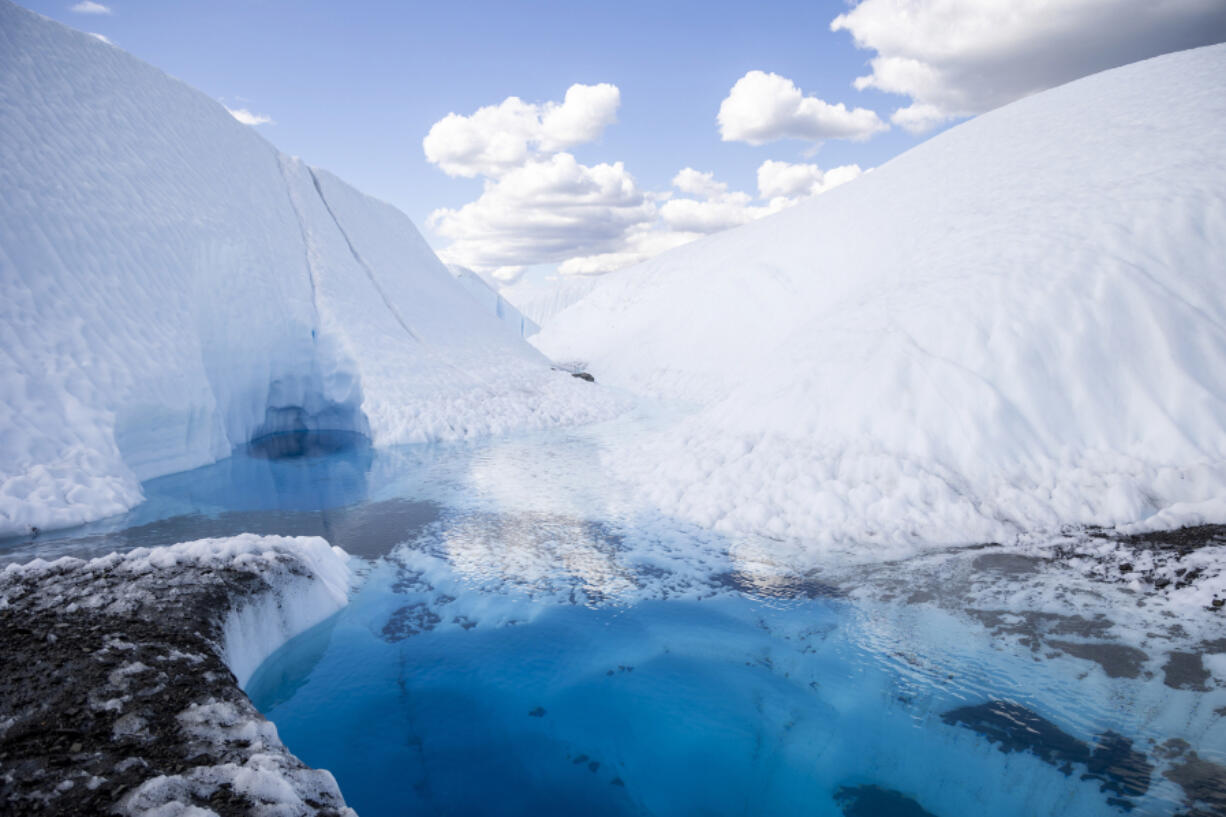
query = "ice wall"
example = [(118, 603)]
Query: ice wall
[(1016, 325), (171, 286), (489, 297)]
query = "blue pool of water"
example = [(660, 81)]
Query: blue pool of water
[(443, 691), (526, 639)]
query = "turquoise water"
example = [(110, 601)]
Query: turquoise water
[(443, 691), (526, 639)]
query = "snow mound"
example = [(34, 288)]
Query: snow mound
[(1018, 325), (171, 286)]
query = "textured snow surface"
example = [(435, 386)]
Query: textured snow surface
[(171, 286), (1017, 325)]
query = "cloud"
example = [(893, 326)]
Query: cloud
[(90, 7), (711, 215), (792, 181), (498, 138), (956, 58), (641, 242), (763, 107), (691, 181), (713, 208), (248, 118), (547, 211), (540, 205)]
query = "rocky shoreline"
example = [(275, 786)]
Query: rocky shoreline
[(117, 693)]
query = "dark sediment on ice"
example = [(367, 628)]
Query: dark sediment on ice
[(114, 696), (1122, 772)]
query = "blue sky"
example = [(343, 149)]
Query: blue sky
[(354, 87)]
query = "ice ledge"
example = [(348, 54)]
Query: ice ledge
[(120, 689)]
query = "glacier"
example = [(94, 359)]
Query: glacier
[(1017, 326), (171, 286)]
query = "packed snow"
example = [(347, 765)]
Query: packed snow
[(171, 287), (1016, 326)]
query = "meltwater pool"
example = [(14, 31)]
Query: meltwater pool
[(526, 639)]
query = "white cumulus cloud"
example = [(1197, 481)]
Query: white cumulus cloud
[(540, 205), (641, 242), (956, 58), (695, 183), (790, 181), (548, 210), (498, 138), (90, 7), (248, 118), (763, 107)]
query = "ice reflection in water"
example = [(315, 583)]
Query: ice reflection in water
[(534, 550)]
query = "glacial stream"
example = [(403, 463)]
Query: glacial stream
[(528, 639)]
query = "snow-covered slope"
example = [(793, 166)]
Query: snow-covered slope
[(171, 286), (489, 297), (1017, 325)]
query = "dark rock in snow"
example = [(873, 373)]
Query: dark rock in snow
[(1117, 660), (1185, 670), (1203, 781)]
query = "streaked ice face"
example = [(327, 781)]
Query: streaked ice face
[(531, 639)]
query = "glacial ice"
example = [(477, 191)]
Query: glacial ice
[(486, 294), (171, 287)]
